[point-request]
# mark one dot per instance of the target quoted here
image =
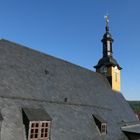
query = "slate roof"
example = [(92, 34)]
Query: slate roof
[(24, 83), (132, 131), (36, 114), (99, 118), (132, 128)]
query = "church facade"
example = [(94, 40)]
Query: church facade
[(46, 98)]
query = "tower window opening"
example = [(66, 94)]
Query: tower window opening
[(116, 75)]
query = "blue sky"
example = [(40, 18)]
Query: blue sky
[(73, 29)]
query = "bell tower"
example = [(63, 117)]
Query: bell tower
[(107, 65)]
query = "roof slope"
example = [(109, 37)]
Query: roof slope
[(32, 79), (36, 114)]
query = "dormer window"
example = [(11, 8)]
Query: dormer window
[(39, 130), (100, 123), (37, 124), (103, 128), (34, 129)]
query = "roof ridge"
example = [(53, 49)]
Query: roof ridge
[(45, 54)]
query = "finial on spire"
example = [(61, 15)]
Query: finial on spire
[(107, 22)]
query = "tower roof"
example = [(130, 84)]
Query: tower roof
[(107, 35), (107, 59)]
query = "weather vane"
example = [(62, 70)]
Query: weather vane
[(107, 21)]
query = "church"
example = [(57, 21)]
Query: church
[(45, 98)]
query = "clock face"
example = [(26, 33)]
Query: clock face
[(103, 69)]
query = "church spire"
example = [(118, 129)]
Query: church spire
[(107, 59), (107, 65), (107, 40)]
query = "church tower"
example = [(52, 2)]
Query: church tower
[(107, 65)]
